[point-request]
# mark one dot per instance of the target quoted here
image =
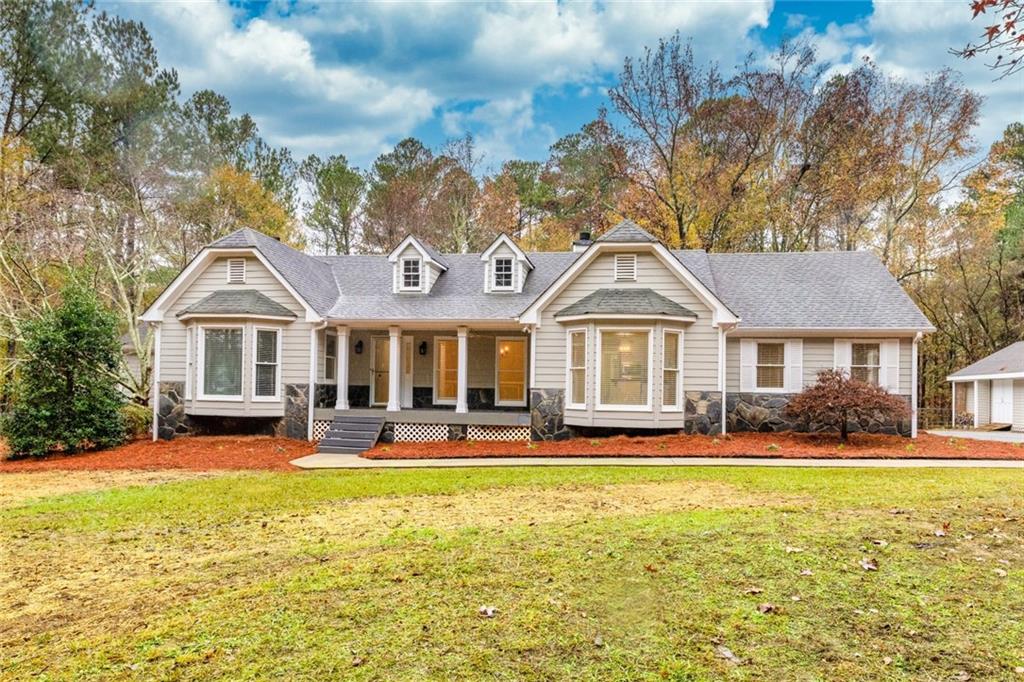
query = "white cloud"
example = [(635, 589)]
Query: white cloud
[(356, 77)]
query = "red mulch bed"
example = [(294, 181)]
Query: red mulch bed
[(197, 453), (787, 445)]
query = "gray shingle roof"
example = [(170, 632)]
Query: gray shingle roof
[(237, 302), (625, 302), (823, 290), (366, 286), (434, 253), (1009, 360), (627, 231), (311, 278)]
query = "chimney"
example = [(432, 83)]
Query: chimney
[(583, 242)]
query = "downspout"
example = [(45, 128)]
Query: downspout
[(722, 341), (913, 387), (156, 380), (311, 399)]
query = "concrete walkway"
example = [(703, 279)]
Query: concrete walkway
[(999, 436), (333, 461)]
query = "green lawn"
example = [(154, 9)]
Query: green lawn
[(595, 574)]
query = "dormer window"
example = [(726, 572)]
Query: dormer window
[(411, 274), (503, 274)]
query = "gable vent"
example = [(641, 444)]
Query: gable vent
[(625, 267), (236, 271)]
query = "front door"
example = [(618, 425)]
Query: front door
[(379, 367), (1002, 401)]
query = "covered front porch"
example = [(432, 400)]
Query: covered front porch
[(457, 377)]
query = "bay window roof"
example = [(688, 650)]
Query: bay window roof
[(633, 302), (237, 303)]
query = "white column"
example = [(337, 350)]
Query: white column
[(913, 388), (341, 351), (461, 404), (155, 330), (394, 369)]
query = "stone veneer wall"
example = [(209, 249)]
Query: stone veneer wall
[(765, 412), (172, 420), (547, 414)]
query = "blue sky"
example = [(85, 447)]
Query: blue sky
[(354, 78)]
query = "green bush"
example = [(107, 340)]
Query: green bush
[(138, 419), (65, 394)]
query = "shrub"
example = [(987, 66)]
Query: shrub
[(836, 400), (66, 393), (138, 419)]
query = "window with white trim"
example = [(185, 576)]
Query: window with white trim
[(503, 275), (671, 395), (236, 271), (866, 362), (221, 367), (446, 369), (771, 365), (625, 369), (266, 364), (331, 357), (625, 267), (411, 275), (577, 389)]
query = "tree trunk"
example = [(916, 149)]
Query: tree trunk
[(844, 434)]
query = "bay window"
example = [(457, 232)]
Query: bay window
[(577, 375), (221, 363), (671, 395), (266, 364), (624, 369)]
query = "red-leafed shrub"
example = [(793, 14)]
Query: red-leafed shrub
[(837, 400)]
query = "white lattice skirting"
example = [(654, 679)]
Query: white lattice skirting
[(320, 427), (474, 432), (420, 433)]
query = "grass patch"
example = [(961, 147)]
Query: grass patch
[(595, 573)]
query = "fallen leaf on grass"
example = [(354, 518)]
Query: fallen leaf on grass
[(868, 564), (753, 590), (793, 550), (726, 653), (939, 533), (1000, 572), (357, 661), (487, 611), (766, 608), (795, 597), (598, 641), (880, 543), (887, 660), (807, 571)]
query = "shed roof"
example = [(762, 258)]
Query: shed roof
[(1009, 360)]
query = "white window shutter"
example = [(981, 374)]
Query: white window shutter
[(794, 365), (748, 365), (843, 355), (890, 360)]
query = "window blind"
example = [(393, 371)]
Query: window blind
[(266, 363), (222, 362)]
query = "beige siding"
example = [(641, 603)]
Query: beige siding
[(984, 402), (819, 354), (700, 345), (1018, 405), (294, 339)]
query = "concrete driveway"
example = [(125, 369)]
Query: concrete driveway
[(1000, 436)]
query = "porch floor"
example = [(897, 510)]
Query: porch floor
[(428, 416)]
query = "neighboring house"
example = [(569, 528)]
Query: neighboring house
[(619, 333), (991, 391)]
